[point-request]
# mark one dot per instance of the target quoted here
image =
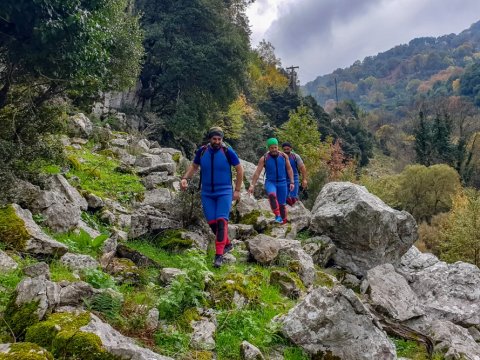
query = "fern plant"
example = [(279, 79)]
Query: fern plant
[(187, 290)]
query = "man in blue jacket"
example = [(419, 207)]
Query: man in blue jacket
[(215, 161), (298, 167), (277, 168)]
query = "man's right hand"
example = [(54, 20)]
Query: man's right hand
[(184, 184), (251, 189)]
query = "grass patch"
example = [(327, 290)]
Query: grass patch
[(294, 353), (413, 350), (98, 175), (60, 272), (8, 282), (253, 323), (162, 257)]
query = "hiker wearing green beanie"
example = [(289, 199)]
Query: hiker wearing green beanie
[(277, 168)]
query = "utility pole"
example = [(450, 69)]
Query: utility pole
[(293, 78), (336, 91)]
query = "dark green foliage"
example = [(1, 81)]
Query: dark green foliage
[(433, 143), (49, 49), (470, 83), (19, 318), (105, 303), (185, 291), (196, 62)]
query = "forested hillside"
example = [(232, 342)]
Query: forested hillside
[(395, 79)]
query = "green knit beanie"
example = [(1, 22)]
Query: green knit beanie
[(272, 141)]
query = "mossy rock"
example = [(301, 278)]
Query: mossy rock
[(324, 280), (26, 351), (185, 320), (245, 285), (61, 334), (19, 318), (12, 229), (251, 218), (171, 240)]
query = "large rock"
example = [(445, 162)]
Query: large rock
[(37, 269), (334, 322), (203, 334), (448, 291), (364, 229), (39, 243), (80, 125), (321, 249), (6, 262), (265, 250), (299, 216), (60, 203), (390, 292), (149, 163), (79, 262), (118, 344), (159, 198), (149, 220), (46, 292), (454, 341), (51, 295)]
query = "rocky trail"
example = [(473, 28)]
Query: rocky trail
[(348, 266)]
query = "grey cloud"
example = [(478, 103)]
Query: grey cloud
[(322, 35)]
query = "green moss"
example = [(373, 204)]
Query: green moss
[(26, 351), (189, 315), (247, 286), (199, 355), (172, 240), (61, 334), (176, 157), (250, 218), (323, 279), (60, 272), (43, 333), (19, 318), (12, 229)]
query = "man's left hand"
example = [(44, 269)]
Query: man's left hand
[(236, 195), (304, 183), (292, 187)]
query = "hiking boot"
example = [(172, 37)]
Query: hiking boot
[(218, 261), (278, 219), (227, 248)]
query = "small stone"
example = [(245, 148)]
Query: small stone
[(6, 262), (151, 323), (167, 275), (250, 352), (38, 269)]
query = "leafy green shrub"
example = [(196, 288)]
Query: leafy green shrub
[(98, 279), (172, 342), (105, 303), (186, 291), (81, 242)]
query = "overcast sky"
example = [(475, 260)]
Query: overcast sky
[(323, 35)]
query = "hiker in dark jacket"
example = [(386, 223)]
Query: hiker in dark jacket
[(215, 161), (298, 167), (277, 169)]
